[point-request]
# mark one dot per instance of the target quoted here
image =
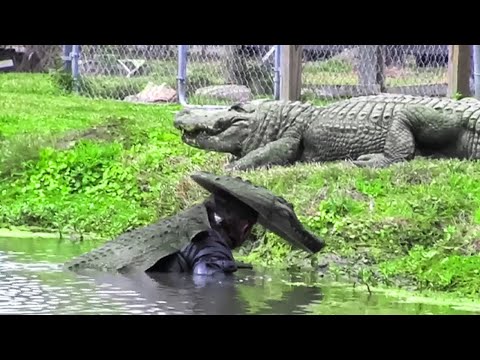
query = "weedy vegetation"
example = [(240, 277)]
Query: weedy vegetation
[(79, 167)]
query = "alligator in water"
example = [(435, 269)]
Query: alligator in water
[(372, 131), (142, 249)]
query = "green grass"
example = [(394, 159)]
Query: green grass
[(27, 84), (416, 223), (108, 144), (76, 165)]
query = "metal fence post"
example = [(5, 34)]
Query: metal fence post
[(276, 91), (75, 70), (67, 59), (182, 73)]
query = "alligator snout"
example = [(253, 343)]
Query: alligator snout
[(179, 122), (196, 121), (184, 111)]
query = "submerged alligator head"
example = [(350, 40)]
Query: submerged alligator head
[(222, 130)]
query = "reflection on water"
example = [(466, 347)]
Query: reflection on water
[(32, 282)]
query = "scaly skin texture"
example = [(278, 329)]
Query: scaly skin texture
[(274, 212), (142, 248), (372, 131)]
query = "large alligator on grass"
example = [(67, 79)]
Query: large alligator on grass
[(372, 131)]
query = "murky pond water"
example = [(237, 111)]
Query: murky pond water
[(32, 282)]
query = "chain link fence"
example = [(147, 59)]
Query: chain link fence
[(213, 74), (125, 72), (336, 71), (223, 74)]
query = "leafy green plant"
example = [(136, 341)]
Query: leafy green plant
[(79, 166)]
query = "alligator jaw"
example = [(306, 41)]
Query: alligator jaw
[(189, 137), (195, 137), (211, 140)]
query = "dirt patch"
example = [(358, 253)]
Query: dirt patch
[(114, 130)]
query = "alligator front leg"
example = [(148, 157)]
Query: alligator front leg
[(411, 125), (283, 151)]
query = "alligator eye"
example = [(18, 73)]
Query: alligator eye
[(237, 107)]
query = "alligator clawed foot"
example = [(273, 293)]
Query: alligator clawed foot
[(372, 161), (235, 166), (229, 167)]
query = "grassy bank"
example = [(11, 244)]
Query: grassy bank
[(74, 165), (70, 163)]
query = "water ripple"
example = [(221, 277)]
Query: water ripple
[(33, 283)]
